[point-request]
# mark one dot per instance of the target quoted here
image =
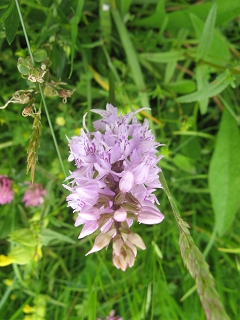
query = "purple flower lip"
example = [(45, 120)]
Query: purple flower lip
[(113, 184)]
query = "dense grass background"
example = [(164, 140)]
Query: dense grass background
[(181, 58)]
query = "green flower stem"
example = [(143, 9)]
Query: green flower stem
[(210, 243), (24, 30), (5, 295), (52, 131), (195, 262), (41, 91), (89, 96)]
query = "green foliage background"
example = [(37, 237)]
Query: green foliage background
[(181, 58)]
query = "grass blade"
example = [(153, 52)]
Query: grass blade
[(131, 57), (74, 31), (207, 34)]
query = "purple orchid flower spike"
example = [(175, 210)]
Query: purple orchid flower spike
[(113, 184)]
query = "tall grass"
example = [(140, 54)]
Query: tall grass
[(178, 58)]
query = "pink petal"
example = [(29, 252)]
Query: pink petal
[(91, 214), (141, 173), (106, 227), (120, 215), (101, 241), (131, 247), (130, 258), (126, 182), (117, 246), (79, 221), (135, 239), (120, 262), (89, 228), (148, 217)]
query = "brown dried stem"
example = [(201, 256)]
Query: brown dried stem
[(34, 144)]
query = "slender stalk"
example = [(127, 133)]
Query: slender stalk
[(24, 31), (89, 96), (195, 262), (5, 296), (210, 243), (40, 89), (52, 131)]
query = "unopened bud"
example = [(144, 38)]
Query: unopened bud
[(119, 198), (39, 55)]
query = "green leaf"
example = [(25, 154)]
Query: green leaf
[(224, 173), (48, 235), (40, 55), (23, 69), (105, 21), (155, 19), (23, 237), (227, 10), (22, 255), (74, 31), (184, 163), (182, 86), (191, 147), (202, 75), (11, 24), (132, 57), (5, 14), (123, 6), (207, 35), (214, 88), (218, 52), (169, 71), (163, 57)]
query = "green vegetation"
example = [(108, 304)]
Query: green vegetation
[(58, 60)]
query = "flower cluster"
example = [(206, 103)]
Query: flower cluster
[(33, 196), (6, 192), (113, 184)]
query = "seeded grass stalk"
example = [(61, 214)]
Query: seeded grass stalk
[(197, 266), (42, 96), (33, 146)]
